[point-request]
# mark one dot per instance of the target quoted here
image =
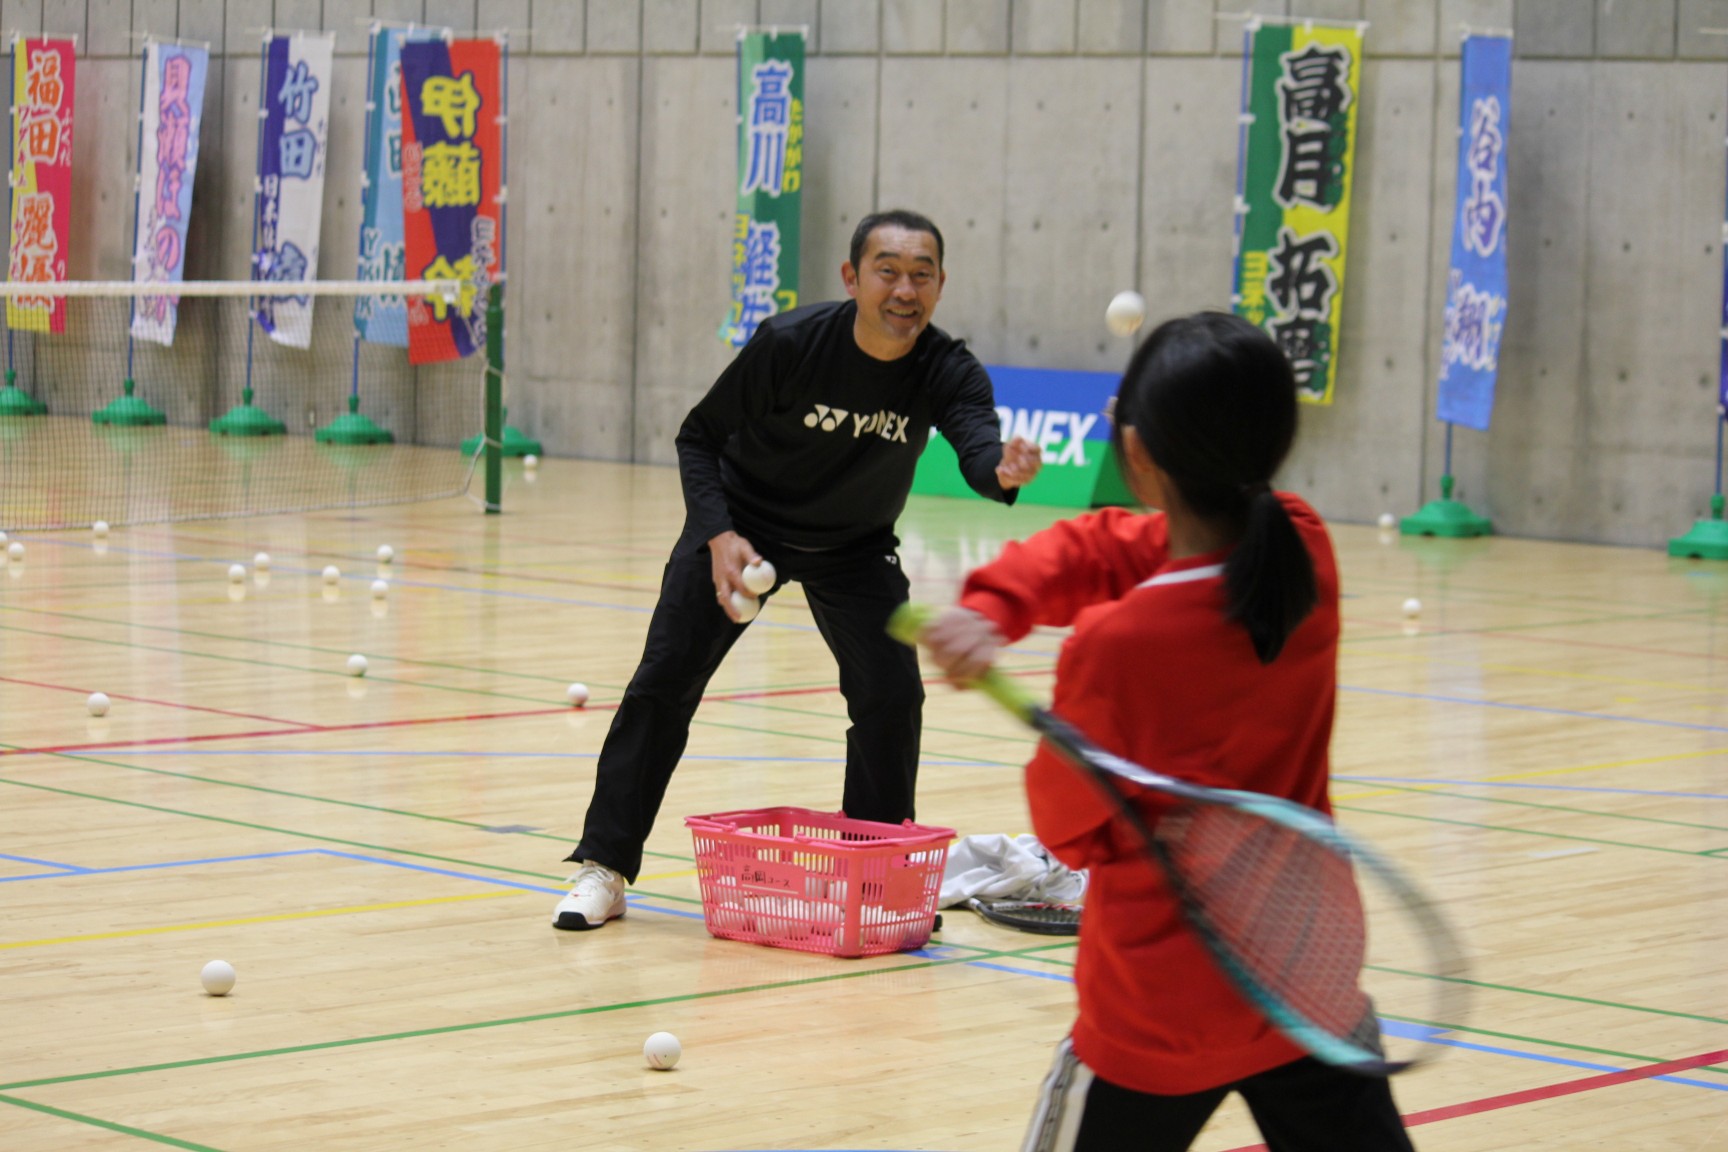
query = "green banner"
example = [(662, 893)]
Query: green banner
[(770, 175), (1300, 93)]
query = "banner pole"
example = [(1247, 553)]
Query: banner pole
[(127, 409)]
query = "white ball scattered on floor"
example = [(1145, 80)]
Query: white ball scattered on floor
[(2, 537), (1127, 311), (577, 694), (99, 529), (662, 1051), (261, 561), (217, 977), (1412, 607), (15, 550), (380, 589), (745, 607), (356, 665), (530, 461), (1388, 521), (236, 573), (759, 577), (97, 705), (332, 574), (386, 553)]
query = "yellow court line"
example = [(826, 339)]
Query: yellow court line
[(256, 919), (667, 875), (1540, 772), (1551, 673)]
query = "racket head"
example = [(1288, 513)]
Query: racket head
[(1335, 945), (1045, 918)]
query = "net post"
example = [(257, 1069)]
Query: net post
[(494, 399)]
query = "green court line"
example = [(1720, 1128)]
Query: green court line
[(1522, 831), (1564, 997), (1639, 1057), (1444, 633), (1437, 791), (123, 1129)]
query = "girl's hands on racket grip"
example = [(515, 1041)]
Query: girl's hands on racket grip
[(962, 643)]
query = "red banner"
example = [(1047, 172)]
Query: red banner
[(41, 177), (452, 153)]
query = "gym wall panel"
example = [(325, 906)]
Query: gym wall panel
[(839, 167)]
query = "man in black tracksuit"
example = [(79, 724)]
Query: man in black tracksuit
[(802, 453)]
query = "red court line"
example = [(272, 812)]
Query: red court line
[(1548, 1092), (158, 703)]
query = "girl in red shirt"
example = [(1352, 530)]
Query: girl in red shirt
[(1205, 645)]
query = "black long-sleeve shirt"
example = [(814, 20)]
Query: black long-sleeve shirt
[(808, 441)]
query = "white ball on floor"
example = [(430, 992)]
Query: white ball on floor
[(261, 560), (746, 607), (15, 550), (2, 537), (759, 577), (217, 977), (386, 553), (1388, 521), (530, 461), (356, 665), (662, 1051), (100, 528), (577, 694), (1127, 311), (236, 573), (380, 589), (97, 704), (1412, 607), (332, 574)]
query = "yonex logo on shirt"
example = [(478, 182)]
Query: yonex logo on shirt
[(825, 417)]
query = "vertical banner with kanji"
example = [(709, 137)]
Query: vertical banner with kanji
[(42, 86), (384, 319), (290, 198), (1301, 90), (770, 175), (173, 109), (1476, 284), (451, 155)]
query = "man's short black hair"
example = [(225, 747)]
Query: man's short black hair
[(899, 218)]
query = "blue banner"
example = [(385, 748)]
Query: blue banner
[(1476, 284), (384, 319), (289, 202)]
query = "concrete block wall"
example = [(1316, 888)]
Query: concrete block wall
[(1068, 148)]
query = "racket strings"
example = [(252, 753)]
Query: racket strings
[(1283, 905)]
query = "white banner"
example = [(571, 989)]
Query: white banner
[(173, 109), (290, 196)]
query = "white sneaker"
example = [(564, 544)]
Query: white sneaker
[(596, 896)]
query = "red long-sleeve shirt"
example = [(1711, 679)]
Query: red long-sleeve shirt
[(1155, 672)]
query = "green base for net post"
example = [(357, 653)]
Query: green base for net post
[(514, 444), (245, 420), (353, 427), (1446, 517), (1708, 539), (128, 411), (14, 401)]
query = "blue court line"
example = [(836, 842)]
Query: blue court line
[(497, 755), (1424, 781), (1536, 708), (164, 864), (43, 863), (1568, 1062), (1021, 971)]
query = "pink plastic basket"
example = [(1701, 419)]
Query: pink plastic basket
[(819, 882)]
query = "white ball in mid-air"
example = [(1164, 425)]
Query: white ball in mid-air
[(332, 574), (356, 665), (662, 1050), (380, 589), (759, 577), (97, 705), (386, 553), (261, 561), (745, 607), (1388, 521), (577, 694), (1127, 311), (236, 573), (99, 529), (15, 550), (1412, 607), (530, 461), (217, 977)]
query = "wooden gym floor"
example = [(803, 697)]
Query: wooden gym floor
[(1547, 744)]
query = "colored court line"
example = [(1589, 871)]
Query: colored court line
[(1426, 790), (43, 863), (123, 1129), (1452, 823), (1568, 1062), (468, 754), (164, 864), (1535, 708), (160, 703), (1501, 782)]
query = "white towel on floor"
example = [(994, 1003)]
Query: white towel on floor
[(999, 867)]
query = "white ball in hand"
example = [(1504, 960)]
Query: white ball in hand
[(745, 607), (1127, 311), (759, 577)]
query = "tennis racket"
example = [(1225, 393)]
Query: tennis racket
[(1283, 899), (1040, 916)]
